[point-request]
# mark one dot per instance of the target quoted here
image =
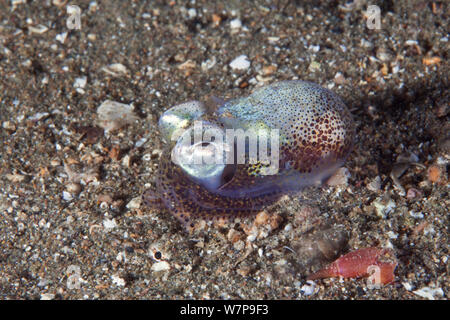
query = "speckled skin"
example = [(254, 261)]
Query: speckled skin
[(316, 135)]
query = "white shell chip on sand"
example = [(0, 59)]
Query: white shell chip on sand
[(39, 29), (308, 289), (47, 296), (79, 84), (114, 115), (109, 224), (429, 293), (240, 63), (61, 37), (118, 281), (161, 266), (116, 70), (235, 24)]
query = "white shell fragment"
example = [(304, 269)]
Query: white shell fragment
[(240, 63), (429, 293), (61, 37), (47, 296), (39, 29), (109, 224), (116, 70), (235, 24), (114, 115), (118, 281), (208, 64), (160, 266), (308, 288), (135, 203), (80, 83), (340, 177), (38, 116), (192, 13)]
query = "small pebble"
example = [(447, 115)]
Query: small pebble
[(15, 177), (192, 13), (80, 82), (431, 61), (239, 245), (67, 196), (384, 207), (216, 19), (208, 64), (61, 37), (244, 271), (314, 65), (413, 193), (407, 286), (8, 125), (418, 215), (233, 236), (73, 188), (339, 78), (140, 142), (39, 116), (434, 174), (261, 218), (309, 288)]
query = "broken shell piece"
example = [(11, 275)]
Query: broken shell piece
[(400, 167), (189, 64), (116, 70), (39, 29), (429, 293), (73, 188), (339, 178), (78, 174), (15, 177), (160, 266), (135, 203), (10, 126), (397, 171), (319, 247), (114, 115), (413, 193), (375, 184), (240, 63)]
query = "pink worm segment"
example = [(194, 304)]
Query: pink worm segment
[(357, 263)]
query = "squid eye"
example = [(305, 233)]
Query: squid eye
[(204, 161)]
